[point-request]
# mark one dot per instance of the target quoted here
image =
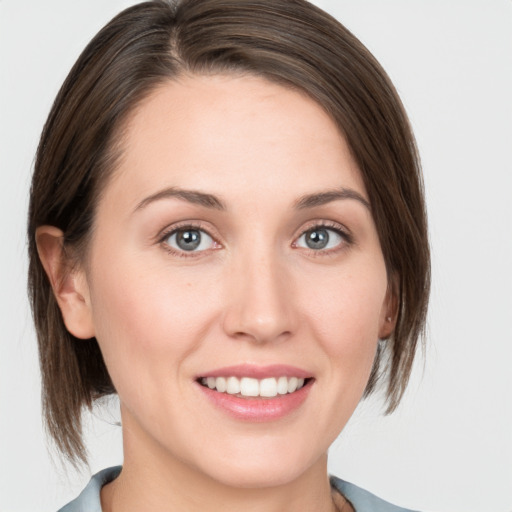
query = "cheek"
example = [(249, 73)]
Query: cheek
[(346, 316), (146, 318)]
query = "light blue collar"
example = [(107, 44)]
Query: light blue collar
[(362, 501)]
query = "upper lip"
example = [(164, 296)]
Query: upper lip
[(257, 371)]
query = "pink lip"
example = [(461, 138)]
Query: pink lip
[(258, 409), (258, 372)]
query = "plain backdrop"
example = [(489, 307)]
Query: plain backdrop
[(449, 446)]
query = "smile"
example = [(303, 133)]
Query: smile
[(256, 393), (251, 387)]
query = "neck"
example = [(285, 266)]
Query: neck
[(154, 480)]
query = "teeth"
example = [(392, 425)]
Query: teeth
[(233, 386), (268, 387), (282, 385), (292, 384), (247, 386), (221, 384)]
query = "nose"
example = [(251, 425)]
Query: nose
[(260, 301)]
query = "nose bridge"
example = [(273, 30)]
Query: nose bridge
[(260, 307)]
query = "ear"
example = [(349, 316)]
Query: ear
[(389, 312), (68, 282)]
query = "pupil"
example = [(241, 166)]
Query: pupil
[(317, 239), (188, 240)]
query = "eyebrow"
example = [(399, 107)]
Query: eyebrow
[(191, 196), (213, 202), (322, 198)]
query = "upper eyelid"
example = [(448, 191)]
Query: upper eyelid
[(328, 224), (172, 228), (199, 225), (164, 235), (340, 229)]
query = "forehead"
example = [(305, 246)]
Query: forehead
[(230, 135)]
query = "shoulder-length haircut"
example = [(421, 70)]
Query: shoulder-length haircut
[(290, 42)]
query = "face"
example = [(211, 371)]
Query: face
[(235, 280)]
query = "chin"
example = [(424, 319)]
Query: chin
[(259, 477), (262, 468)]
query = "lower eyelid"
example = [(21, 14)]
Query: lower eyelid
[(208, 241), (345, 238), (164, 237)]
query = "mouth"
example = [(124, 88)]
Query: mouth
[(255, 393), (250, 387)]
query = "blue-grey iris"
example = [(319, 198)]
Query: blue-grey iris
[(188, 240), (317, 238)]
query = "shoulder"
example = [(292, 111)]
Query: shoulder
[(89, 498), (361, 500)]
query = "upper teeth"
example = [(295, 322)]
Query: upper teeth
[(248, 386)]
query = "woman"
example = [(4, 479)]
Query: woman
[(227, 229)]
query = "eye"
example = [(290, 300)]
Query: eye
[(189, 239), (321, 238)]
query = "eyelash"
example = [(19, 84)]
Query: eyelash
[(192, 226), (343, 233)]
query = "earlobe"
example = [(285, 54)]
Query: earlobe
[(389, 313), (69, 284)]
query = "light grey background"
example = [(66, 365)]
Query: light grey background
[(449, 447)]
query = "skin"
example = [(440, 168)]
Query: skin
[(256, 294)]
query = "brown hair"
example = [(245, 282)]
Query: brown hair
[(286, 41)]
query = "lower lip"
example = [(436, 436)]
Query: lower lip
[(257, 409)]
